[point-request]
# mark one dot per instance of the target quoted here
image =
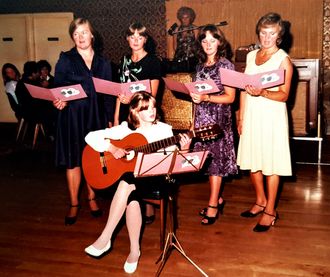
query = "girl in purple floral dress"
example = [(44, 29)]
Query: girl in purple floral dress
[(215, 109)]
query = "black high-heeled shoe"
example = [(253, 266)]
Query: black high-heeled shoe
[(95, 213), (220, 208), (264, 228), (70, 220), (248, 213), (210, 219), (149, 219)]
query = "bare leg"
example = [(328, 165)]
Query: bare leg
[(73, 177), (215, 183), (134, 223), (117, 209), (258, 184), (272, 188), (91, 198), (150, 210)]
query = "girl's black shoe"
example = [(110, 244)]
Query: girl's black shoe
[(220, 208), (249, 214), (70, 220), (149, 219), (210, 219), (95, 213), (264, 228)]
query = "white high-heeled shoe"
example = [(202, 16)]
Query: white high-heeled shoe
[(97, 253), (131, 267)]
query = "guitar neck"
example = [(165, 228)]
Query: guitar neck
[(154, 146)]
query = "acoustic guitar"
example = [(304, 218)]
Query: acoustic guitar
[(102, 170)]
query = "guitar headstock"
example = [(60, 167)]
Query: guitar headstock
[(208, 132)]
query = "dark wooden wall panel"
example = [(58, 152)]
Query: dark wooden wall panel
[(109, 17), (305, 16)]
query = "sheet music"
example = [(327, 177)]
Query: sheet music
[(170, 163), (199, 87), (126, 89), (66, 93), (240, 80)]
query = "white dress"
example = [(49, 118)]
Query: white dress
[(264, 142)]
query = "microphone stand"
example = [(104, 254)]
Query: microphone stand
[(222, 23)]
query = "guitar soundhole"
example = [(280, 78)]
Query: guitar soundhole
[(130, 156)]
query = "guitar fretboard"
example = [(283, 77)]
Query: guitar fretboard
[(154, 146)]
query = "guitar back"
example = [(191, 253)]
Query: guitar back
[(102, 170)]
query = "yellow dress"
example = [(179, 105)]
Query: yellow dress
[(264, 142)]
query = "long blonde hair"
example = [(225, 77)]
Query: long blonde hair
[(140, 102)]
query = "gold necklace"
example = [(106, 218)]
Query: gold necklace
[(268, 54), (210, 62)]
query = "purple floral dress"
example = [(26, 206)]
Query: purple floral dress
[(222, 152)]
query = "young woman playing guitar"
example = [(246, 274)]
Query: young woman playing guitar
[(142, 120)]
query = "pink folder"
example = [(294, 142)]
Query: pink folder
[(127, 89), (240, 80), (168, 163), (66, 93), (199, 87)]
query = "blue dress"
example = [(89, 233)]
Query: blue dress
[(222, 160), (80, 116)]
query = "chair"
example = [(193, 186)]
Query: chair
[(14, 106), (159, 199), (23, 121), (159, 195), (23, 125)]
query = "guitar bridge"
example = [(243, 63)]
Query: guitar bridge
[(103, 163)]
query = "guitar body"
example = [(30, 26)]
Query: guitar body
[(102, 170)]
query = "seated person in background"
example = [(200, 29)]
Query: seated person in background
[(11, 75), (184, 40), (46, 79), (30, 106), (142, 117), (33, 109)]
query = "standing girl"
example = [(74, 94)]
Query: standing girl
[(77, 118), (263, 122), (215, 109), (140, 64)]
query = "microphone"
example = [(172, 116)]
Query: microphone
[(172, 29), (222, 23)]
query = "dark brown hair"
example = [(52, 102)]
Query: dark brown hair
[(44, 63), (137, 26), (150, 44), (271, 19), (13, 67), (217, 34)]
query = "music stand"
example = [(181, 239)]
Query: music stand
[(168, 163)]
